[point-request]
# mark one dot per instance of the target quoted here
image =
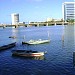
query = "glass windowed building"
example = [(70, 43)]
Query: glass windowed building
[(68, 9)]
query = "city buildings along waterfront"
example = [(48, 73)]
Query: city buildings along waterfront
[(15, 18), (68, 9)]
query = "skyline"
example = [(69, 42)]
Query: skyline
[(31, 10)]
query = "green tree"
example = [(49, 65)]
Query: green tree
[(70, 20)]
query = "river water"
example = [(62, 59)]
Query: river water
[(59, 59)]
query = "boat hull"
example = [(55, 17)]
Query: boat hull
[(36, 42), (7, 46), (28, 54)]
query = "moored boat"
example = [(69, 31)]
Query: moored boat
[(27, 53), (4, 47), (32, 42), (13, 37), (39, 41)]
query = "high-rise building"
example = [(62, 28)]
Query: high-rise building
[(15, 18), (68, 9)]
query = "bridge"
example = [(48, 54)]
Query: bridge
[(37, 24), (47, 23), (10, 25)]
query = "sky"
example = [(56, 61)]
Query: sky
[(31, 10)]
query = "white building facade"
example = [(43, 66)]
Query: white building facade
[(68, 10), (15, 18)]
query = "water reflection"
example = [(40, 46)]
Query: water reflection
[(39, 58), (69, 41), (33, 58), (68, 36), (14, 34)]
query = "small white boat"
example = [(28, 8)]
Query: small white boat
[(32, 42), (27, 53), (39, 41)]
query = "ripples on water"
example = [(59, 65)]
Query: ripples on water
[(59, 59)]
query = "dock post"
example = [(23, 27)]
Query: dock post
[(47, 24), (55, 24), (16, 26), (37, 24), (4, 26)]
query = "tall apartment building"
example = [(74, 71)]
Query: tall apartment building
[(68, 9), (15, 18)]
